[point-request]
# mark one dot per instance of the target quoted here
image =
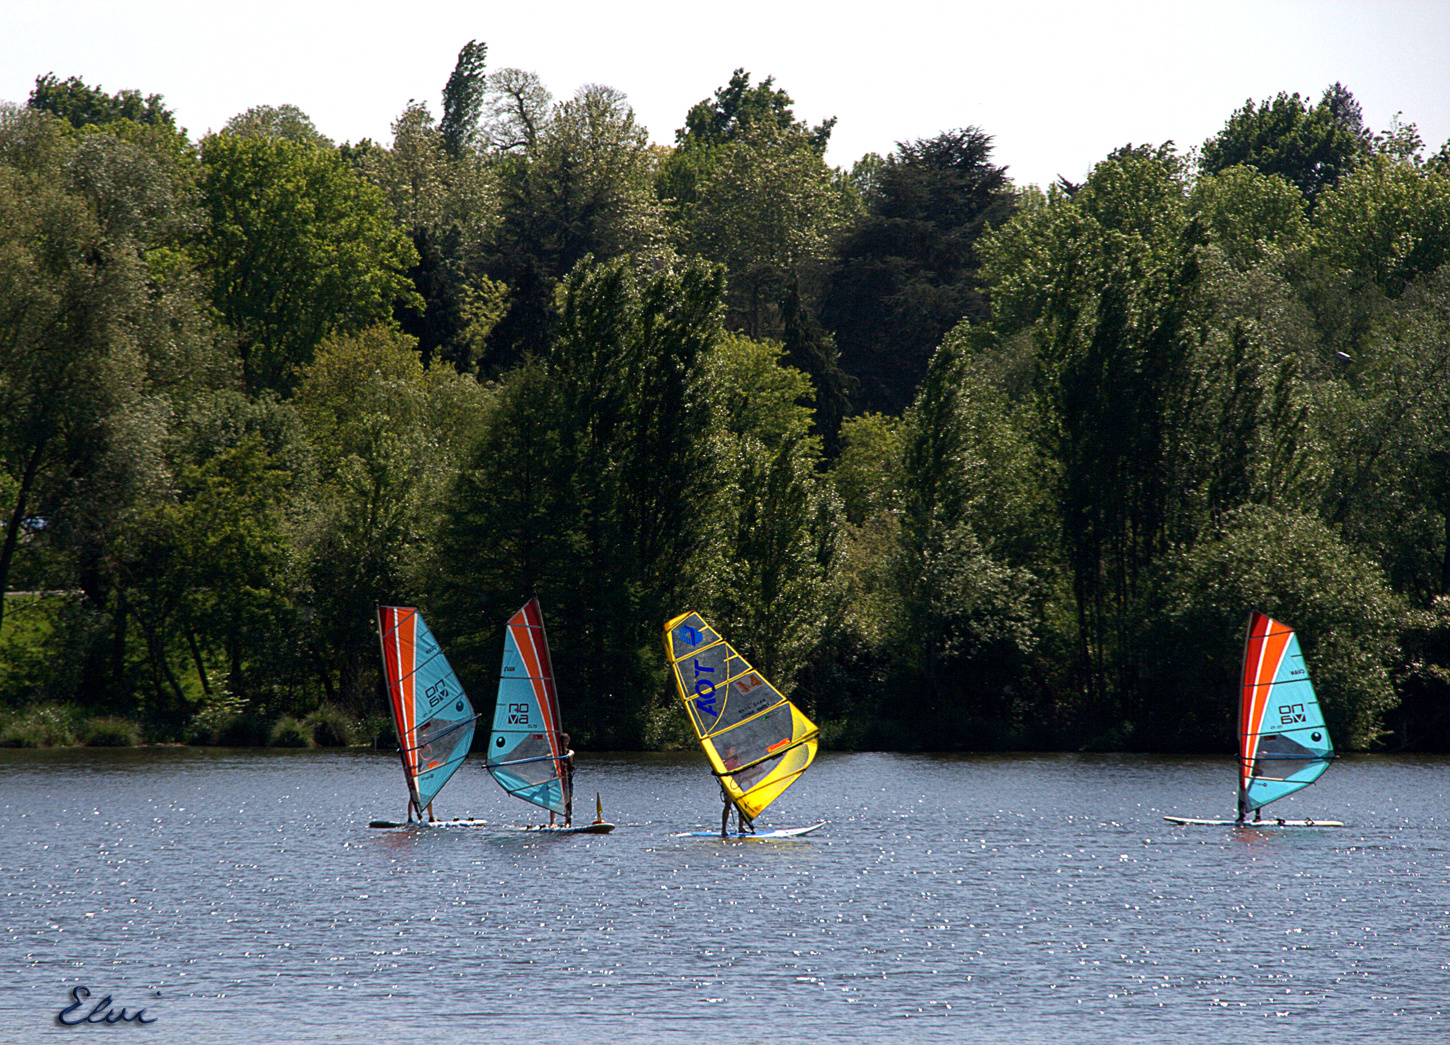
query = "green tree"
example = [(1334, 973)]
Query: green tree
[(297, 247), (79, 105), (810, 348), (1388, 223), (766, 204), (389, 438), (107, 340), (1382, 422), (770, 589), (277, 121), (501, 536), (738, 107), (737, 111), (1289, 565), (1108, 291), (584, 186), (449, 207), (1252, 217), (595, 489), (1309, 146), (867, 470), (204, 572), (581, 186), (969, 614), (94, 302)]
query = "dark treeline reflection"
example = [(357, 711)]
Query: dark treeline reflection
[(960, 463)]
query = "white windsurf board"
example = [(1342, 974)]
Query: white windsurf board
[(784, 832), (461, 822)]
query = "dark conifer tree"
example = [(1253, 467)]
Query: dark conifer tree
[(463, 99), (908, 273)]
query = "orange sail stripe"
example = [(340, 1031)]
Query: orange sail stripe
[(389, 618), (524, 638), (1253, 654), (1272, 641), (536, 620), (403, 655)]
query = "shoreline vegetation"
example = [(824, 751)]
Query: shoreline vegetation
[(959, 463)]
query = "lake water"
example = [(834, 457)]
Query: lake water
[(240, 896)]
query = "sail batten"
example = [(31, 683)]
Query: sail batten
[(758, 743), (1284, 744), (526, 753), (431, 713)]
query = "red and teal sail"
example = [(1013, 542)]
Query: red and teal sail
[(1283, 743), (527, 753), (431, 713)]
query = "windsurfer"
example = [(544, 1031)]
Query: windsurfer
[(567, 761), (744, 825)]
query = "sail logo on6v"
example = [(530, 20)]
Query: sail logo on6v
[(1289, 714), (437, 693)]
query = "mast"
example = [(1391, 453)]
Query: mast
[(388, 615), (1243, 778)]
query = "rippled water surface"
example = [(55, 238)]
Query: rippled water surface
[(240, 896)]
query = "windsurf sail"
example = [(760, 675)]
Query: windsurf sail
[(432, 715), (1283, 743), (758, 743), (526, 754)]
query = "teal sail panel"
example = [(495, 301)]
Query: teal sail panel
[(1284, 744), (528, 753), (432, 714)]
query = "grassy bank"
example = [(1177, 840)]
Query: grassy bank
[(64, 725)]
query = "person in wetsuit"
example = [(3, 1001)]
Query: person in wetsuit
[(744, 825), (568, 780)]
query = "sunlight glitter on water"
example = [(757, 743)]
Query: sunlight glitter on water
[(1003, 898)]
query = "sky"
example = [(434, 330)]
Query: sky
[(1057, 84)]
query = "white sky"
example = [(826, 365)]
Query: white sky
[(1058, 84)]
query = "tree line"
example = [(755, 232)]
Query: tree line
[(960, 463)]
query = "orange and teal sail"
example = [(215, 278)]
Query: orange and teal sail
[(1283, 743), (527, 753), (758, 743), (431, 713)]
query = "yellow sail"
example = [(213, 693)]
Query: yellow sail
[(758, 743)]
